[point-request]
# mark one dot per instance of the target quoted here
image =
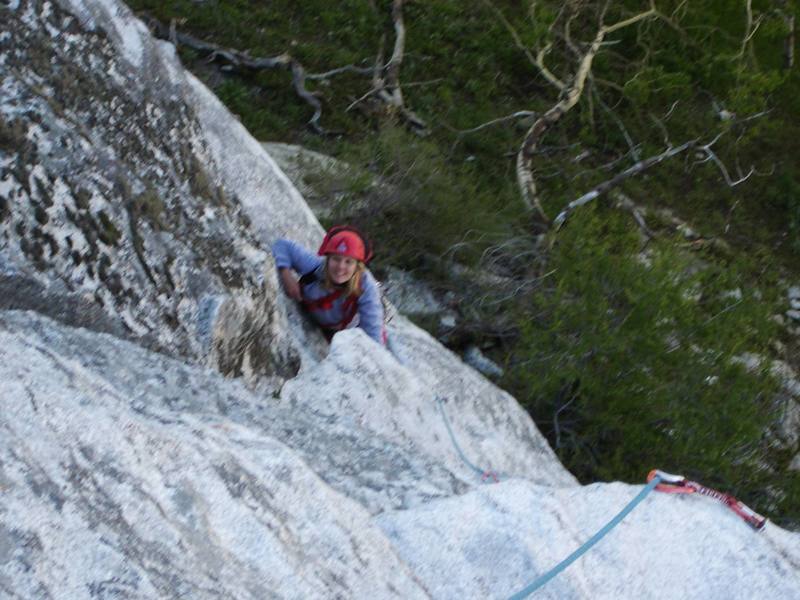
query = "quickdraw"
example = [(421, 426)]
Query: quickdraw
[(661, 481), (678, 484)]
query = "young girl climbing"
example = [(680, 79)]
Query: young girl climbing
[(334, 286)]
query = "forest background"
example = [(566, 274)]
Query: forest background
[(641, 325)]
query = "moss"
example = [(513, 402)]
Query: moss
[(244, 220), (199, 182), (166, 272), (82, 198), (13, 134), (133, 207), (89, 228), (21, 169), (33, 247), (112, 281), (171, 320), (114, 284), (149, 206), (108, 232)]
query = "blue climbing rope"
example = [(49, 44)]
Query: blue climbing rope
[(543, 579), (540, 581), (483, 474)]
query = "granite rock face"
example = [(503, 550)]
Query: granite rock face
[(125, 473), (114, 212), (170, 426)]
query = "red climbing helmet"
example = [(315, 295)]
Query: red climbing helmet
[(347, 241)]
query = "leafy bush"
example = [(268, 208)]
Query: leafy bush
[(633, 361)]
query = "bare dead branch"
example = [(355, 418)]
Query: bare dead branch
[(520, 114), (613, 85), (377, 69), (558, 411), (567, 33), (608, 166), (386, 79), (604, 187), (711, 156), (660, 124), (235, 59), (671, 110), (788, 17), (360, 99), (339, 71), (569, 97), (625, 203), (546, 73), (749, 30), (705, 151), (393, 68)]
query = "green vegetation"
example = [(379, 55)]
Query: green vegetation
[(644, 360), (150, 207), (445, 208), (629, 352)]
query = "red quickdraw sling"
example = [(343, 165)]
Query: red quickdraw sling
[(678, 484), (349, 306)]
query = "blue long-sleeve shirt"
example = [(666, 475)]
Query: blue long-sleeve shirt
[(369, 316)]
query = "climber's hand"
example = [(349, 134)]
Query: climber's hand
[(290, 284)]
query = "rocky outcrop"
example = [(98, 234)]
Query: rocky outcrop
[(128, 474), (125, 473), (115, 212), (135, 217)]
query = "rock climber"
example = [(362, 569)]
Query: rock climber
[(334, 285)]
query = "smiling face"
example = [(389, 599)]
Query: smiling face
[(341, 268)]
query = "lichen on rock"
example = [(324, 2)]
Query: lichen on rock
[(114, 193)]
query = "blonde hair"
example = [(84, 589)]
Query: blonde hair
[(353, 286)]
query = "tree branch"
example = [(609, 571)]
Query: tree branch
[(705, 149), (711, 156), (569, 97), (240, 60), (546, 73), (386, 80), (520, 114), (393, 68), (604, 187), (788, 41), (340, 70), (749, 30)]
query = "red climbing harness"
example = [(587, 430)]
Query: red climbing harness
[(678, 484), (349, 309)]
